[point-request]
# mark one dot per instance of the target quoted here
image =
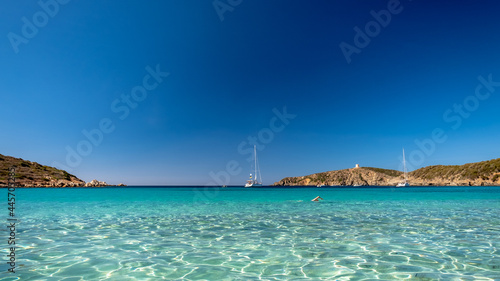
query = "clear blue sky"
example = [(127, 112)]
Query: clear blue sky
[(65, 67)]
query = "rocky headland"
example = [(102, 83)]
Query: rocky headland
[(32, 174), (486, 173)]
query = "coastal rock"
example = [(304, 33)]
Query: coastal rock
[(32, 174), (348, 177), (96, 183), (486, 173)]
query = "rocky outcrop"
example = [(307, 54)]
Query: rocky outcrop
[(486, 173), (51, 183), (32, 174), (96, 183), (355, 176)]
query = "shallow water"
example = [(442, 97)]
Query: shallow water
[(257, 234)]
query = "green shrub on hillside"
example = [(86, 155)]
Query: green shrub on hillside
[(495, 177), (470, 171), (391, 173)]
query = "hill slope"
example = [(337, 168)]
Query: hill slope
[(473, 174), (32, 174), (354, 176), (480, 173)]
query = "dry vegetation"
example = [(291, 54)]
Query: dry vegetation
[(486, 170), (481, 173), (30, 172)]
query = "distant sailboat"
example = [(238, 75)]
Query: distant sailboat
[(253, 182), (405, 182)]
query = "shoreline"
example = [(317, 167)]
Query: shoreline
[(255, 188)]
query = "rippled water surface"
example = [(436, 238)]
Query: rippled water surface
[(257, 234)]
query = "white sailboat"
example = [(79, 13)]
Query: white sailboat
[(405, 182), (253, 182)]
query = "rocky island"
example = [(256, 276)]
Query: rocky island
[(486, 173), (32, 174)]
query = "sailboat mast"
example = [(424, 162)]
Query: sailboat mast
[(255, 159), (404, 163)]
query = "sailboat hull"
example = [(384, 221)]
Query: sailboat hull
[(253, 185)]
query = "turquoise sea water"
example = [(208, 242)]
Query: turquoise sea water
[(448, 233)]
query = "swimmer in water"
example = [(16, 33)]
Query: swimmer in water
[(317, 199)]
